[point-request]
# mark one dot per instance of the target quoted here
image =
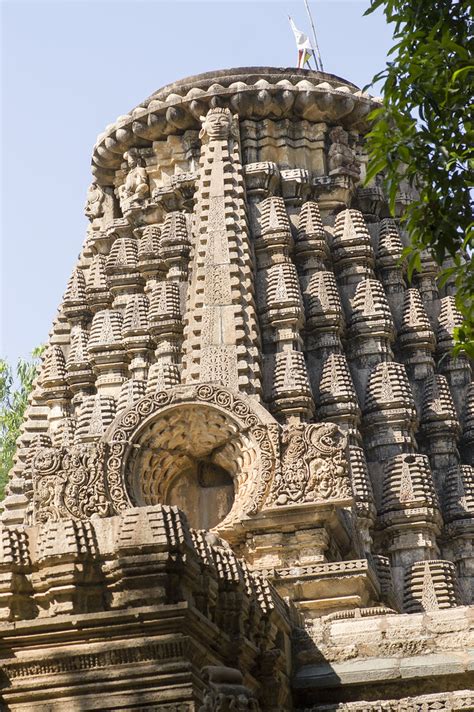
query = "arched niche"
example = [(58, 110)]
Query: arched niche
[(204, 449)]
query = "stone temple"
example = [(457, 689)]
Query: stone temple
[(245, 479)]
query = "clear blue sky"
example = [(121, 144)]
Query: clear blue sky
[(69, 68)]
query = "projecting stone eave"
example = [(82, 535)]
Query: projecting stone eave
[(252, 92)]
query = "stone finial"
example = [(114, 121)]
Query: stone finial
[(324, 308), (458, 494), (383, 570), (123, 256), (161, 376), (282, 295), (371, 313), (351, 247), (75, 300), (311, 244), (150, 259), (438, 412), (429, 586), (371, 328), (175, 240), (130, 392), (291, 391), (78, 354), (337, 396), (468, 420), (95, 415), (165, 310), (275, 230), (449, 318), (148, 243), (426, 278), (388, 387), (390, 246), (415, 331), (407, 484), (135, 321), (389, 416), (106, 331), (79, 368), (121, 266), (388, 257), (53, 377), (97, 287), (64, 434)]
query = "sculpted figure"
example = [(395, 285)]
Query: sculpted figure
[(136, 186), (94, 207), (217, 124), (340, 155)]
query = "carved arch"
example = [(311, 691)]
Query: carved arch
[(251, 419)]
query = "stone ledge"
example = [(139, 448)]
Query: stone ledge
[(360, 672)]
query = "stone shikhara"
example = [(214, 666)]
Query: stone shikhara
[(245, 478)]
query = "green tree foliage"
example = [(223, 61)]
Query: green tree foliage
[(424, 130), (15, 387)]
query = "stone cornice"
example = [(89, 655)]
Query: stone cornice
[(252, 92)]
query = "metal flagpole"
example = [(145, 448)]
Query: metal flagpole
[(314, 37)]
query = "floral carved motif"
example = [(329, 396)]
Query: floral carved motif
[(313, 466), (253, 488), (69, 483)]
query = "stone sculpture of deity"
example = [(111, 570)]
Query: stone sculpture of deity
[(340, 156), (136, 187)]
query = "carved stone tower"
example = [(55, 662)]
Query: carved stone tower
[(245, 479)]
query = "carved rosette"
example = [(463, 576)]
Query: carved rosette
[(314, 467), (251, 492)]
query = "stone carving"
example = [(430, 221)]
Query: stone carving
[(221, 344), (136, 186), (352, 251), (69, 482), (430, 585), (254, 482), (227, 692), (216, 124), (94, 207), (313, 466), (341, 157)]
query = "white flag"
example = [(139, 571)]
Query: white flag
[(303, 44)]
